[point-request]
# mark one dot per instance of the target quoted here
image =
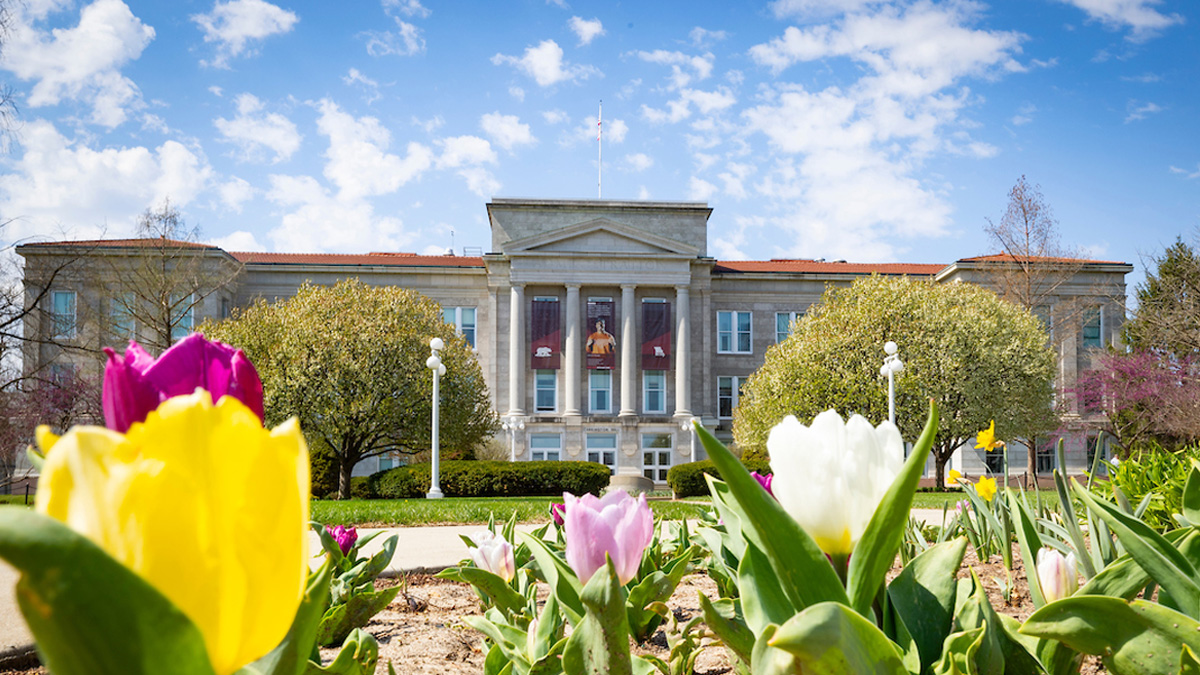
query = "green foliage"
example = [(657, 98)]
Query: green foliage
[(349, 361), (1153, 474), (979, 357), (687, 480), (463, 478), (323, 465), (353, 599), (1168, 314)]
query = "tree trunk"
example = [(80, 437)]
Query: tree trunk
[(345, 469), (1031, 465), (939, 463)]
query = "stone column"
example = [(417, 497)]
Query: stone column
[(683, 357), (516, 350), (571, 359), (629, 345)]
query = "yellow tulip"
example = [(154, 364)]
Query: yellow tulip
[(952, 478), (205, 505), (986, 488)]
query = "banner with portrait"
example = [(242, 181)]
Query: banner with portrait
[(656, 335), (600, 347), (546, 335)]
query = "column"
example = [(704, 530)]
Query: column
[(571, 359), (629, 343), (683, 357), (516, 351)]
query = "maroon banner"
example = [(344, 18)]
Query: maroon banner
[(546, 335), (656, 335), (600, 347)]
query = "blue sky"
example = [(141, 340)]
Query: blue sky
[(865, 130)]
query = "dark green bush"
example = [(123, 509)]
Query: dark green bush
[(324, 466), (687, 480), (464, 478)]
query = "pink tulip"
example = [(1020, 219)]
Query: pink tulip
[(135, 384), (617, 525), (494, 554), (764, 481), (557, 510), (344, 536)]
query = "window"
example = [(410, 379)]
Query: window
[(654, 391), (602, 449), (733, 333), (729, 389), (656, 456), (62, 314), (994, 460), (388, 461), (545, 447), (463, 320), (1093, 328), (546, 390), (62, 374), (1045, 454), (600, 391), (183, 316), (783, 324), (225, 310), (121, 316), (1092, 444), (1044, 315)]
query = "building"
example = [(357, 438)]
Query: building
[(603, 328)]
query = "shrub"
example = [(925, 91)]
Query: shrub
[(687, 480), (462, 478), (324, 466), (1157, 472)]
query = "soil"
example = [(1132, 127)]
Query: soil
[(422, 633)]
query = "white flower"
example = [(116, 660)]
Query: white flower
[(1056, 574), (831, 476), (494, 554)]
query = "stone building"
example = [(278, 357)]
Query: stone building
[(603, 328)]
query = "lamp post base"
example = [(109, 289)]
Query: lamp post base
[(435, 493)]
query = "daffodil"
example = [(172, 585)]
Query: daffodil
[(986, 439), (953, 477), (204, 504), (986, 488)]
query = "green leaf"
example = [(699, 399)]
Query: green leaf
[(958, 653), (763, 601), (1031, 543), (876, 550), (600, 643), (803, 571), (496, 589), (1191, 496), (724, 619), (291, 656), (1132, 638), (1071, 521), (339, 621), (770, 660), (89, 614), (923, 596), (1188, 663), (829, 638), (358, 656), (558, 575)]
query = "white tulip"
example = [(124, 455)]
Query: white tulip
[(1057, 574), (831, 476), (494, 554)]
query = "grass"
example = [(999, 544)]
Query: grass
[(459, 510), (935, 500)]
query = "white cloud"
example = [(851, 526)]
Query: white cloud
[(430, 125), (734, 177), (62, 183), (235, 192), (253, 132), (585, 29), (1190, 175), (707, 102), (702, 37), (1140, 16), (480, 181), (318, 221), (700, 190), (407, 8), (643, 193), (216, 91), (407, 42), (358, 161), (555, 116), (371, 87), (639, 161), (506, 131), (614, 132), (1024, 114), (544, 63), (238, 241), (1139, 111), (458, 151), (517, 93), (82, 63), (810, 9), (700, 67), (237, 24)]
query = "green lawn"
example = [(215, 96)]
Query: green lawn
[(935, 500), (459, 510)]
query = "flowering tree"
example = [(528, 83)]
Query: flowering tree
[(980, 357), (1147, 395), (349, 361), (59, 403)]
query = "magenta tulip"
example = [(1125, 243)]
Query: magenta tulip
[(764, 481), (344, 536), (136, 383), (557, 509), (617, 525)]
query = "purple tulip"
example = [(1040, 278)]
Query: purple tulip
[(557, 509), (344, 536), (617, 525), (135, 384), (764, 481)]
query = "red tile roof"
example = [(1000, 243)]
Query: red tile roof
[(1008, 257), (126, 243), (792, 266), (378, 258)]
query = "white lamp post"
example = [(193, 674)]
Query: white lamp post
[(434, 363), (689, 424), (512, 425), (891, 365)]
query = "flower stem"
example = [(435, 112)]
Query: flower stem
[(841, 564)]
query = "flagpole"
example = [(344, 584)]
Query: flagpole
[(600, 151)]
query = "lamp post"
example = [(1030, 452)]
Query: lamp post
[(689, 424), (891, 365), (434, 363), (512, 425)]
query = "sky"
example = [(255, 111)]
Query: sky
[(865, 130)]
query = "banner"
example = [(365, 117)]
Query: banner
[(546, 335), (600, 347), (656, 335)]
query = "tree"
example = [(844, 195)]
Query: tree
[(1167, 318), (60, 403), (159, 285), (349, 361), (981, 358), (1147, 396)]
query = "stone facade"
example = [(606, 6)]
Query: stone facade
[(646, 259)]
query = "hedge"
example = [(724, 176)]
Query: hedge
[(687, 480), (463, 478)]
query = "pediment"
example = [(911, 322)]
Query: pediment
[(600, 236)]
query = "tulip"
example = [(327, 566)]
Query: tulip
[(1057, 574), (764, 481), (986, 488), (830, 477), (494, 554), (557, 509), (134, 385), (617, 525), (344, 536), (204, 504)]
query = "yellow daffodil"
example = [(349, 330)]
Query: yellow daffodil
[(987, 438), (953, 477), (986, 488), (205, 505)]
